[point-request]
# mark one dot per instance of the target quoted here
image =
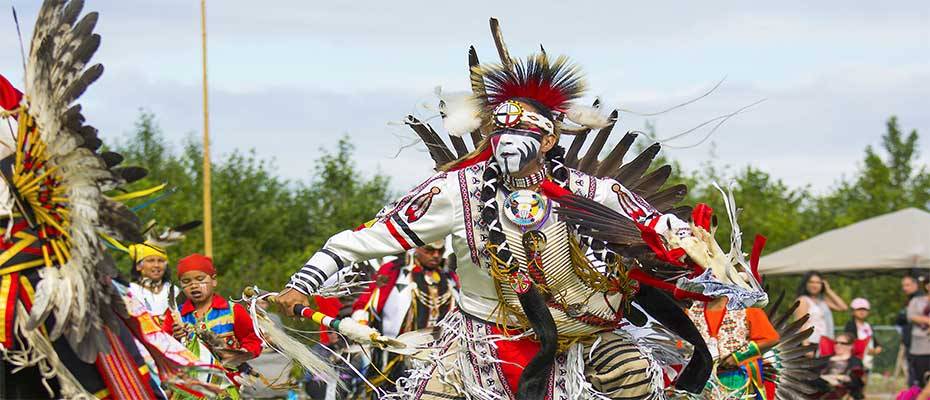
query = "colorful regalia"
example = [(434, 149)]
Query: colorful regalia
[(67, 330), (404, 297), (542, 302), (224, 327), (756, 353)]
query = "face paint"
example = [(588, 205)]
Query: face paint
[(514, 150)]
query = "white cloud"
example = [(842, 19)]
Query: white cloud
[(290, 77)]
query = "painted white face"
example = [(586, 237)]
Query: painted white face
[(513, 151)]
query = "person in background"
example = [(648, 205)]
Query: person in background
[(818, 300), (910, 285), (407, 294), (844, 371), (860, 329), (217, 331), (918, 313), (149, 286)]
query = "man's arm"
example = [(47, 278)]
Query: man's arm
[(638, 209), (422, 216)]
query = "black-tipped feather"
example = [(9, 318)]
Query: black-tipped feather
[(459, 145), (477, 88), (77, 88)]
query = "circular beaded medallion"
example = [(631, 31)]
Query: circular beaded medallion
[(525, 207)]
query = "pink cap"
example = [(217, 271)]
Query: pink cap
[(858, 303)]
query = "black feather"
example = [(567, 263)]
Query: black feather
[(187, 226), (459, 145), (477, 88), (534, 378), (614, 160), (120, 221), (665, 310), (437, 148), (773, 306), (111, 159), (130, 174), (652, 181), (77, 88), (668, 197), (631, 173), (589, 162), (571, 158)]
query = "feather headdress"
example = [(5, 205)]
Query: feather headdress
[(553, 84)]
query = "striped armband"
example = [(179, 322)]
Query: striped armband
[(313, 274)]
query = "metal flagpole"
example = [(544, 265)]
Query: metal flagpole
[(207, 212)]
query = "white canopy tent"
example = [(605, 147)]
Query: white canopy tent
[(898, 240)]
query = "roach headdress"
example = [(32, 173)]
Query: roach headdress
[(550, 84)]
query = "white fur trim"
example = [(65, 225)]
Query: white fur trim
[(588, 116), (461, 112)]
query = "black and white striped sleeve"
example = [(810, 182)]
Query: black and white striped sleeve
[(424, 215)]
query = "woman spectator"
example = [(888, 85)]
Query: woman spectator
[(818, 300), (918, 312)]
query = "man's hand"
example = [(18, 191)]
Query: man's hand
[(288, 298)]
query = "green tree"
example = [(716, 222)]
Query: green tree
[(885, 182), (264, 226)]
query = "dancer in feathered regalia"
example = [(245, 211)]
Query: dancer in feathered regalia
[(541, 300), (66, 331), (754, 358)]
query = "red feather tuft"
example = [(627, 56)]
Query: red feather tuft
[(553, 83), (546, 94)]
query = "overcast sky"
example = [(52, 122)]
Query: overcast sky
[(290, 77)]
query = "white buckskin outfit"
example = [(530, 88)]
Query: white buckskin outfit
[(541, 303), (448, 203)]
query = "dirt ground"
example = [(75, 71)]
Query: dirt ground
[(880, 387)]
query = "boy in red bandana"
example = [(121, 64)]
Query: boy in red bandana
[(217, 331)]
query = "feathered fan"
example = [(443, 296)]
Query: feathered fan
[(56, 177)]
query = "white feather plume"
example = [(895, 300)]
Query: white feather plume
[(461, 112), (588, 116), (280, 341)]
